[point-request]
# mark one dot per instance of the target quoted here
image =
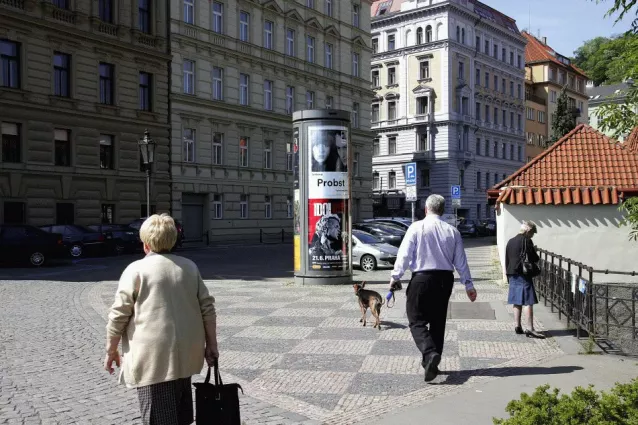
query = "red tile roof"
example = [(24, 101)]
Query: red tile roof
[(584, 167), (632, 141), (536, 51)]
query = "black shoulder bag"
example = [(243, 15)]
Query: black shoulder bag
[(217, 404), (529, 269)]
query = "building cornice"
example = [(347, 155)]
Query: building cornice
[(398, 53)]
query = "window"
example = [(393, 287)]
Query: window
[(64, 213), (108, 213), (419, 35), (189, 145), (375, 112), (520, 154), (392, 180), (11, 143), (289, 207), (391, 42), (218, 206), (511, 58), (519, 92), (478, 180), (146, 84), (487, 147), (392, 110), (579, 85), (268, 95), (10, 63), (243, 206), (519, 126), (310, 99), (355, 165), (552, 74), (530, 114), (244, 92), (218, 17), (487, 180), (106, 83), (61, 74), (375, 181), (422, 105), (105, 11), (487, 113), (512, 119), (62, 143), (478, 43), (310, 49), (581, 106), (269, 27), (107, 152), (375, 79), (503, 150), (487, 47), (268, 154), (144, 16), (462, 178), (428, 34), (328, 58), (495, 149), (290, 99), (392, 76), (310, 4), (329, 102), (289, 156), (487, 80), (424, 69), (495, 116), (477, 77), (290, 42), (461, 71), (423, 142), (243, 152), (552, 96), (218, 152), (495, 51), (503, 54), (375, 147), (355, 115), (503, 85), (218, 83), (512, 88), (62, 4), (512, 152), (519, 61), (458, 33), (541, 117), (189, 11), (327, 7), (425, 177), (504, 119), (355, 64), (477, 111), (375, 45), (392, 145), (355, 15), (244, 25), (496, 83), (189, 77)]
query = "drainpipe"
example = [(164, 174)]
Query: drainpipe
[(170, 97)]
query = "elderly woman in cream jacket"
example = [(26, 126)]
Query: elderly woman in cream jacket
[(166, 319)]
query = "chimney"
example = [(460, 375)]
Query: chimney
[(545, 41)]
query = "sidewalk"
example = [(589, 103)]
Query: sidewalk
[(479, 404)]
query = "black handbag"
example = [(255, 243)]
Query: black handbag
[(528, 268), (217, 404)]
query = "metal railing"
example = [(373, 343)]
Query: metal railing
[(605, 311), (268, 236)]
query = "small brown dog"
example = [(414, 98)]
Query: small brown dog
[(368, 298)]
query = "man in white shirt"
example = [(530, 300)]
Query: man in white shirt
[(431, 249)]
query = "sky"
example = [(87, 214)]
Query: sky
[(567, 24)]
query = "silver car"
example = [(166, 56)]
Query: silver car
[(370, 252)]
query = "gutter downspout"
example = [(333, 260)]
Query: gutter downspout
[(169, 115)]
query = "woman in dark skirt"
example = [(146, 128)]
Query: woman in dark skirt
[(521, 290)]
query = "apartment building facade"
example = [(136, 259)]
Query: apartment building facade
[(240, 68), (449, 81), (80, 82), (607, 94), (547, 72)]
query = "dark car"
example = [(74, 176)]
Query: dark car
[(21, 243), (79, 240), (487, 227), (180, 230), (120, 238), (399, 222), (387, 234), (468, 228)]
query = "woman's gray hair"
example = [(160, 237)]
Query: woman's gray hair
[(435, 204), (528, 228)]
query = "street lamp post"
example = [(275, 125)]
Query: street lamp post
[(147, 149)]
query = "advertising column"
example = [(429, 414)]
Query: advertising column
[(322, 191)]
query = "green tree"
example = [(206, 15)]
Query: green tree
[(589, 57), (564, 118)]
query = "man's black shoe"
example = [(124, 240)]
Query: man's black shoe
[(431, 367)]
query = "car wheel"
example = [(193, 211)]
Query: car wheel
[(36, 258), (76, 250), (368, 263)]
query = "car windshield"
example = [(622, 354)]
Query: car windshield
[(366, 238), (390, 229)]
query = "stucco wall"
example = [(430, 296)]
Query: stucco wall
[(588, 234)]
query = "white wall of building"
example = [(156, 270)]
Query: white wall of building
[(588, 234)]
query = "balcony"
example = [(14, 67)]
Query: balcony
[(536, 99), (421, 156), (18, 4)]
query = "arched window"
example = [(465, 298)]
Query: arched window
[(439, 31), (428, 34), (463, 35), (419, 36), (408, 35), (458, 33)]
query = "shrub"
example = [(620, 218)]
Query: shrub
[(584, 406)]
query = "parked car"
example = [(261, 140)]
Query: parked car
[(120, 238), (136, 224), (401, 222), (370, 252), (468, 228), (79, 240), (488, 227), (20, 243), (387, 234)]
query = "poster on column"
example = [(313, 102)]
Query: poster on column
[(328, 162), (327, 240)]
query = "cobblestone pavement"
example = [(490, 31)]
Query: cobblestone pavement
[(300, 353)]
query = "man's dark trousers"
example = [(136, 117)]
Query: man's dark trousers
[(427, 296)]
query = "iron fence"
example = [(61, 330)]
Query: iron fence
[(605, 311)]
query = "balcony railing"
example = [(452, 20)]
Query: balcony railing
[(18, 4), (536, 99)]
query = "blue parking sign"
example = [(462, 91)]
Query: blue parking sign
[(410, 174), (456, 192)]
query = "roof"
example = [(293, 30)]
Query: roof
[(392, 6), (632, 141), (584, 167), (601, 94), (536, 52)]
